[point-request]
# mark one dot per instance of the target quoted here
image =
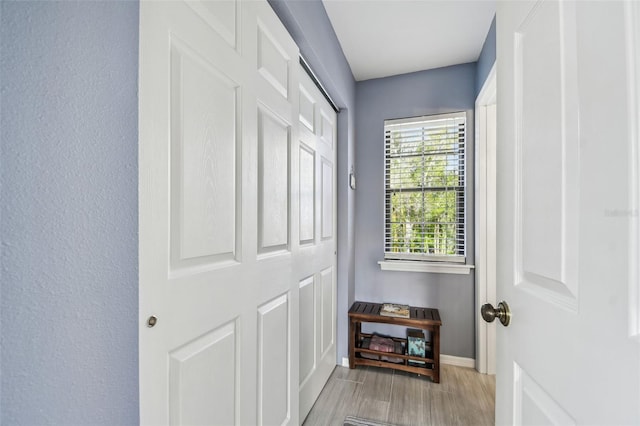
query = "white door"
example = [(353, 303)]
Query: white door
[(219, 229), (568, 212), (316, 260)]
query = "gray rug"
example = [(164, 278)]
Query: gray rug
[(359, 421)]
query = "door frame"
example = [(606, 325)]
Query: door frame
[(485, 248)]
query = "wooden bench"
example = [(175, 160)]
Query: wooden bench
[(421, 318)]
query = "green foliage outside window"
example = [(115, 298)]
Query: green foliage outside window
[(425, 190)]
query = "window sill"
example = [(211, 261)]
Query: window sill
[(412, 266)]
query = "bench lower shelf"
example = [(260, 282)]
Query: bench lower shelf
[(423, 371), (422, 366)]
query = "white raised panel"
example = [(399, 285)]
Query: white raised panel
[(307, 109), (202, 379), (273, 61), (327, 317), (203, 160), (274, 363), (326, 130), (307, 194), (533, 405), (632, 12), (327, 199), (273, 178), (220, 15), (307, 329), (547, 133)]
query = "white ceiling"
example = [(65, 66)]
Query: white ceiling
[(389, 37)]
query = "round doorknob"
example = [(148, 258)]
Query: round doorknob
[(502, 312)]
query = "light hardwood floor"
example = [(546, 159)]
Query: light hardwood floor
[(463, 397)]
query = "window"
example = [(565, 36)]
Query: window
[(425, 188)]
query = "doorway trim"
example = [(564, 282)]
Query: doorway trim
[(485, 223)]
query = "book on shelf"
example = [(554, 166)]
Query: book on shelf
[(416, 345), (394, 310)]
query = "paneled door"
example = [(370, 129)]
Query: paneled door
[(567, 233), (316, 259), (219, 218)]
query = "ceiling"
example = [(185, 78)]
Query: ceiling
[(389, 37)]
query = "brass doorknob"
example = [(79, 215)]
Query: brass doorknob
[(502, 312)]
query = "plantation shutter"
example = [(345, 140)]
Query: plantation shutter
[(425, 188)]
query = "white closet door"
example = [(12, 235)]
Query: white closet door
[(218, 229), (316, 264)]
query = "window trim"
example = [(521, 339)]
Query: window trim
[(425, 266), (420, 262)]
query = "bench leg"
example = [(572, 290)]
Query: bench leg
[(352, 344), (436, 354)]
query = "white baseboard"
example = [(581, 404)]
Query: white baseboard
[(345, 362), (458, 361)]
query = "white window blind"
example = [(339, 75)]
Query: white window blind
[(425, 188)]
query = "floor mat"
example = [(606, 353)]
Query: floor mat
[(359, 421)]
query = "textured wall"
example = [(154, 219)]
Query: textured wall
[(69, 307), (309, 25), (487, 57), (427, 92)]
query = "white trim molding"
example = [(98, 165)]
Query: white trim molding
[(416, 266), (632, 16), (485, 229), (458, 361)]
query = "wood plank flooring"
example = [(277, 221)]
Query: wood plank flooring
[(463, 397)]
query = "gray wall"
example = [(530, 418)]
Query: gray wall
[(487, 57), (427, 92), (309, 25), (69, 307)]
